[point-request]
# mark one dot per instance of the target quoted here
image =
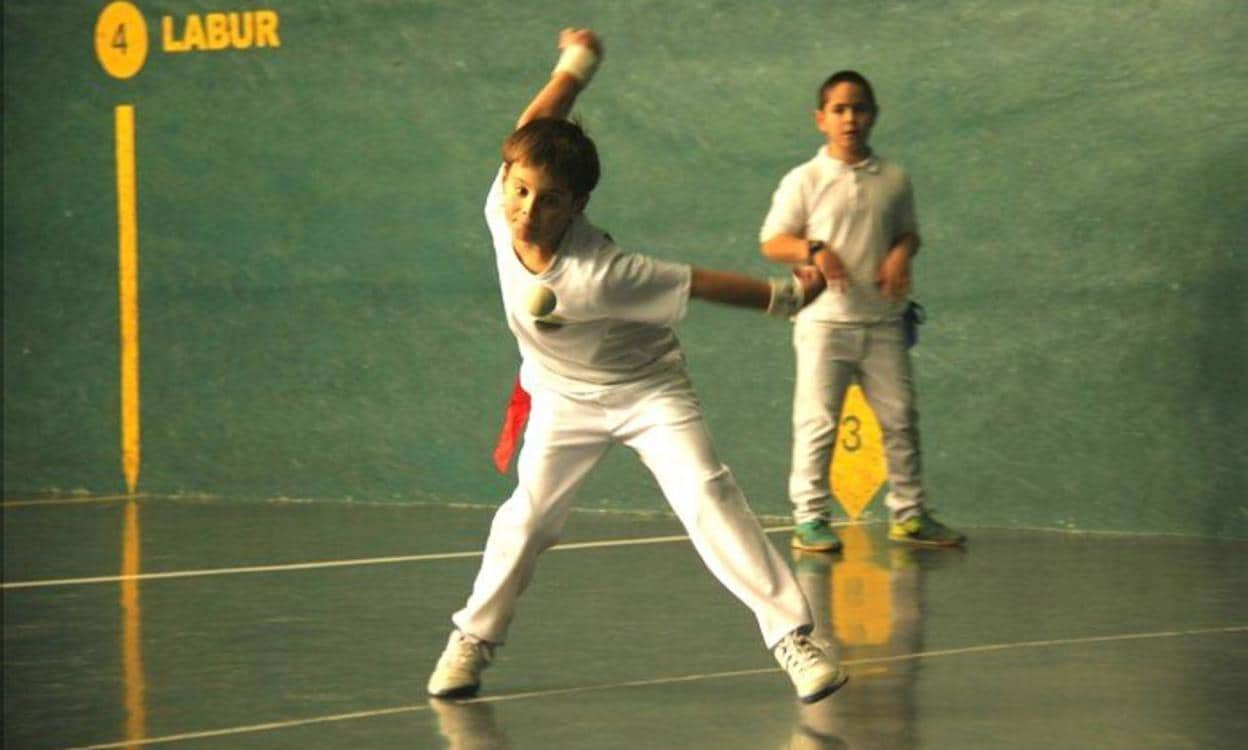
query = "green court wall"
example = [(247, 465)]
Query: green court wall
[(319, 317)]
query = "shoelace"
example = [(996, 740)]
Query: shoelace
[(799, 651), (472, 652)]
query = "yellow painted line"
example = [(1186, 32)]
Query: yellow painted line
[(557, 692), (134, 674), (128, 290)]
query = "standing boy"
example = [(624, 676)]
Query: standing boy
[(851, 214), (602, 364)]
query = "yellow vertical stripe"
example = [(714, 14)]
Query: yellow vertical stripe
[(128, 291), (128, 266), (132, 630)]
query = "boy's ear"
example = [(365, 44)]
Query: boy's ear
[(819, 120), (579, 202)]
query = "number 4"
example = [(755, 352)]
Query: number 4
[(119, 38)]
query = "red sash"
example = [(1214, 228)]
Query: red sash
[(513, 426)]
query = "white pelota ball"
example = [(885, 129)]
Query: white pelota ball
[(540, 301)]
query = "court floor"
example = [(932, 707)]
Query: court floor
[(212, 624)]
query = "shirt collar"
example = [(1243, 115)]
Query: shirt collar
[(871, 164)]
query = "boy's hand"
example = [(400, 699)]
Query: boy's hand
[(583, 37), (832, 269), (581, 52), (894, 274), (812, 282)]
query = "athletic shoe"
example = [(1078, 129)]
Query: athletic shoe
[(923, 530), (458, 673), (815, 536), (813, 673)]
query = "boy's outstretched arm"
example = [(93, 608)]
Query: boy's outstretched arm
[(581, 54), (777, 297)]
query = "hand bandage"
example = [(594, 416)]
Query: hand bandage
[(578, 61), (787, 297)]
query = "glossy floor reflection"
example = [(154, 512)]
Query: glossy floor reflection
[(301, 625)]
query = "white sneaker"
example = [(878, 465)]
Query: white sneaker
[(814, 675), (458, 673)]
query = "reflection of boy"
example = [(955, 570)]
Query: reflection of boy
[(851, 215), (602, 364), (869, 607)]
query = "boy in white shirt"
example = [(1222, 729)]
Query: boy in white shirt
[(851, 214), (602, 364)]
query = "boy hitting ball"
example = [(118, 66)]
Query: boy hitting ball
[(851, 214), (602, 364)]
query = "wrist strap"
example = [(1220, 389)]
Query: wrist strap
[(786, 297), (578, 61)]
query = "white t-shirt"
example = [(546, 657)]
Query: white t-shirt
[(615, 309), (859, 210)]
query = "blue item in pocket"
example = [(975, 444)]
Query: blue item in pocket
[(914, 317)]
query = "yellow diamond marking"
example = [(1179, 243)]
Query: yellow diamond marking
[(857, 471)]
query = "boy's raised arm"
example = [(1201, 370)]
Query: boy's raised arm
[(581, 53)]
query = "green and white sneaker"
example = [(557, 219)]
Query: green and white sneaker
[(923, 530), (458, 673), (813, 673), (815, 536)]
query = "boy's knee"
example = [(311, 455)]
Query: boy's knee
[(900, 419), (720, 485), (521, 516), (817, 424)]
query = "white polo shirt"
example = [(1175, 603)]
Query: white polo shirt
[(860, 210), (614, 309)]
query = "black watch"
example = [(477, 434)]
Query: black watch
[(813, 247)]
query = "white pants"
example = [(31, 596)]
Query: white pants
[(829, 359), (661, 420)]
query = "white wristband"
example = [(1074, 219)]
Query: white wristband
[(578, 61), (786, 297)]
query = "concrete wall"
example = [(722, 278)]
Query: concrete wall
[(318, 315)]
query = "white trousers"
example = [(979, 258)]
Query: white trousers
[(661, 420), (830, 358)]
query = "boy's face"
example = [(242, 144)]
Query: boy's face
[(846, 118), (538, 206)]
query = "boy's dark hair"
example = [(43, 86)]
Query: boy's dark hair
[(558, 146), (847, 76)]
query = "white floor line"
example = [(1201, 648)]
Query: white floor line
[(415, 708), (12, 585), (85, 499), (199, 499)]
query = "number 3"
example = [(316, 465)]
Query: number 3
[(852, 440)]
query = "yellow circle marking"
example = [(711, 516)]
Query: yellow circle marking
[(121, 39)]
